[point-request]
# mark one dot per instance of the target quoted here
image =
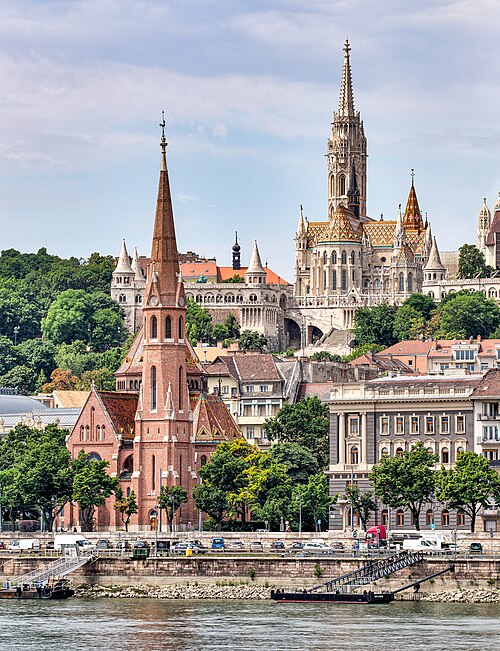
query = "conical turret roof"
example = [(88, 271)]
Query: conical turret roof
[(136, 267), (123, 265), (255, 266), (434, 262), (413, 216)]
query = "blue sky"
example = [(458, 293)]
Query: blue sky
[(248, 88)]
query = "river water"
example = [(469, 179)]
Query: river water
[(152, 624)]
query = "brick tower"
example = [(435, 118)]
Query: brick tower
[(163, 445)]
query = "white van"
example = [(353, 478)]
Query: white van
[(72, 541), (24, 544), (422, 545)]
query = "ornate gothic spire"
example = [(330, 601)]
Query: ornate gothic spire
[(346, 102), (302, 226), (399, 232), (413, 216), (164, 275)]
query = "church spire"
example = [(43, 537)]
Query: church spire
[(346, 102), (164, 274), (236, 254), (123, 264), (413, 217), (136, 267)]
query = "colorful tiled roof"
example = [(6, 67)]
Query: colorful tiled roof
[(121, 408), (412, 217)]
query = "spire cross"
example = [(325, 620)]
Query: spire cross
[(412, 175), (347, 47), (163, 143)]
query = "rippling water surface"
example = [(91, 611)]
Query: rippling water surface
[(151, 624)]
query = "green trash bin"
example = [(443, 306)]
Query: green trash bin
[(141, 552)]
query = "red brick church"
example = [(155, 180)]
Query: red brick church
[(159, 427)]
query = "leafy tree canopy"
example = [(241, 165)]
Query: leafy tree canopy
[(472, 263), (375, 325), (252, 341), (468, 314)]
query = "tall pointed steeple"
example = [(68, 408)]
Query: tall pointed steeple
[(255, 274), (236, 254), (399, 233), (346, 101), (123, 264), (164, 273), (302, 226), (434, 262), (483, 226), (346, 145), (413, 216)]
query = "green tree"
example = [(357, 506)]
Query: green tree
[(468, 315), (233, 327), (406, 481), (307, 423), (236, 278), (299, 461), (315, 500), (325, 356), (38, 355), (18, 312), (212, 501), (252, 341), (103, 379), (413, 317), (91, 487), (125, 505), (375, 325), (362, 504), (19, 377), (470, 486), (472, 263), (8, 355), (198, 323), (171, 498)]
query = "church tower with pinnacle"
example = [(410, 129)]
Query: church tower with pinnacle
[(163, 424), (346, 152)]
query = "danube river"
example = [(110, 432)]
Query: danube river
[(152, 624)]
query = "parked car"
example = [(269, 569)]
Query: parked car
[(336, 545), (262, 531), (218, 543), (183, 547), (277, 544), (256, 546), (49, 546), (316, 547), (475, 548), (235, 545), (103, 543), (296, 546)]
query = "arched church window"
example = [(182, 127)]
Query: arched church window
[(154, 327), (341, 185), (401, 282), (334, 279), (353, 257), (410, 282), (343, 279), (168, 328), (253, 298), (153, 387), (181, 392), (325, 257), (343, 257), (180, 328), (334, 257)]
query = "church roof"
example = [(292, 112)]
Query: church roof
[(342, 227), (123, 264), (381, 234), (212, 420), (405, 255), (412, 217), (255, 266), (434, 262), (121, 408)]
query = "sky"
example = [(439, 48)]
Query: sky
[(248, 88)]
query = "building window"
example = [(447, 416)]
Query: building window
[(414, 426), (154, 327), (458, 451), (384, 452), (343, 279), (168, 328), (445, 518), (343, 257), (334, 279), (334, 258), (401, 282), (399, 452), (400, 518), (384, 425), (341, 185), (353, 257), (264, 388), (153, 387), (460, 425), (354, 426), (354, 455), (429, 517), (385, 518), (460, 519), (225, 389), (429, 424), (249, 388), (445, 455), (465, 355), (410, 282), (250, 432), (203, 460), (400, 425), (181, 387), (181, 333), (445, 424), (153, 472)]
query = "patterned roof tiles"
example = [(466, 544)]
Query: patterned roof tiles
[(212, 420)]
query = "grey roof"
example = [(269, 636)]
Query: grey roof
[(19, 405), (65, 418)]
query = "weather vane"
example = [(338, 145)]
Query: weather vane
[(412, 175)]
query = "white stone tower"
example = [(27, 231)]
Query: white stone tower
[(346, 146), (483, 226)]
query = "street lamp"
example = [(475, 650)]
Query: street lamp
[(16, 330)]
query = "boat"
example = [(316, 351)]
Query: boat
[(365, 597), (58, 590)]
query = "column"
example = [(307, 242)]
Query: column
[(364, 451), (342, 438)]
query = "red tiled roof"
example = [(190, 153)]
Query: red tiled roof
[(121, 408), (489, 387), (256, 366), (212, 420), (272, 278), (191, 271)]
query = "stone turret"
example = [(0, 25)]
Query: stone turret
[(255, 274)]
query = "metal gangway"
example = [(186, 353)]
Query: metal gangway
[(371, 571), (57, 569)]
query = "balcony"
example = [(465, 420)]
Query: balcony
[(488, 417)]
